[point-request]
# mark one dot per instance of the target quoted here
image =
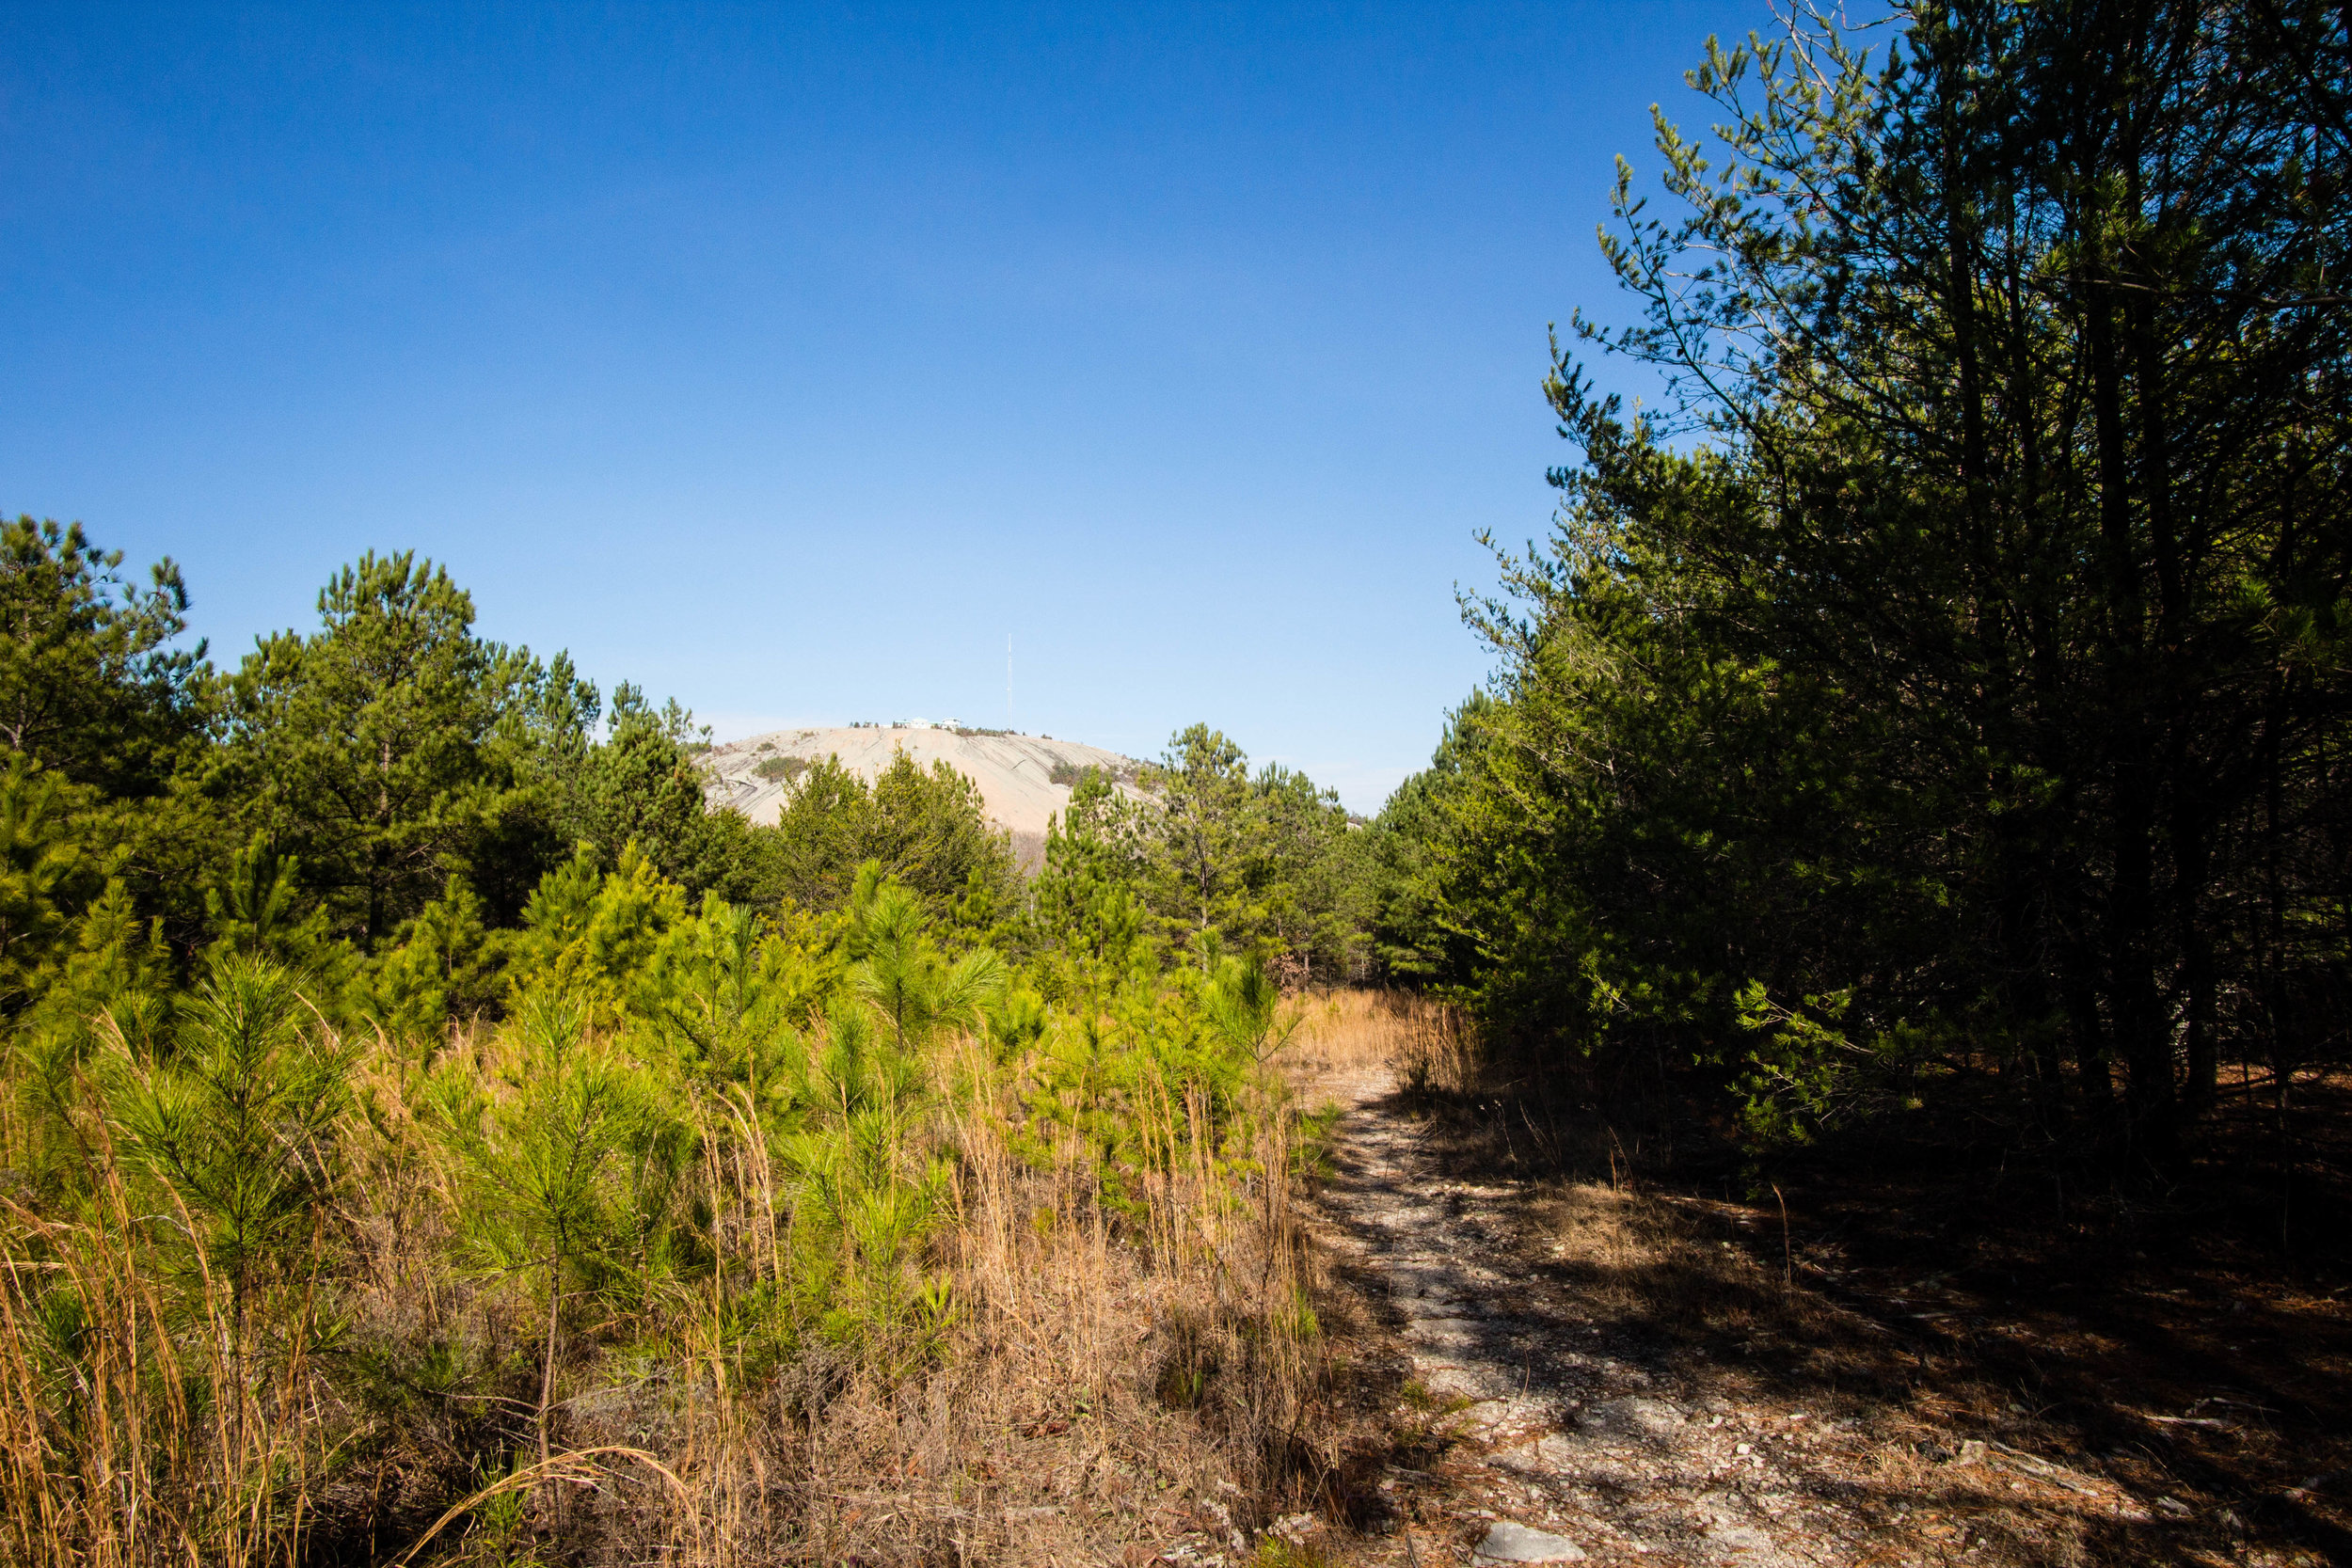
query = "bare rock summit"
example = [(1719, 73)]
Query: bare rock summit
[(1023, 779)]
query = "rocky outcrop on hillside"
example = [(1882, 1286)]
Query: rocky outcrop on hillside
[(1023, 779)]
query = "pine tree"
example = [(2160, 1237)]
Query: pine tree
[(566, 1163), (234, 1126), (90, 685), (1205, 839), (1951, 663), (39, 862), (372, 749)]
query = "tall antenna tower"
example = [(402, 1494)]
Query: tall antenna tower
[(1008, 680)]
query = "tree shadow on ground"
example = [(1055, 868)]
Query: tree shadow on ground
[(1953, 1281)]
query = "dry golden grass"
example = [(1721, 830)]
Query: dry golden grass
[(1104, 1374), (1099, 1386), (1429, 1046), (139, 1419)]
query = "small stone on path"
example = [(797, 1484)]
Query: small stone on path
[(1510, 1543)]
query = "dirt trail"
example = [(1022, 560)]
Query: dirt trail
[(1560, 1437)]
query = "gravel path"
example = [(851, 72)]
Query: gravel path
[(1567, 1446)]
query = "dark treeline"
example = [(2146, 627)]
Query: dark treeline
[(1949, 679)]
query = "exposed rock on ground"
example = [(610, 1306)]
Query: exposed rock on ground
[(1550, 1434)]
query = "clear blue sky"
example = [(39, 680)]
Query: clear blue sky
[(786, 358)]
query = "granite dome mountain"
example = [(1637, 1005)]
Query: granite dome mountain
[(1023, 779)]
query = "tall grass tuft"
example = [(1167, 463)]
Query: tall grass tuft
[(738, 1255), (161, 1311), (1431, 1047)]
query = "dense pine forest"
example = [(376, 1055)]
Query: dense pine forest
[(433, 1132), (1947, 676)]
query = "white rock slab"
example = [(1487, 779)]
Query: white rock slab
[(1545, 1456), (1443, 1334), (1489, 1416), (1510, 1543), (1634, 1417)]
